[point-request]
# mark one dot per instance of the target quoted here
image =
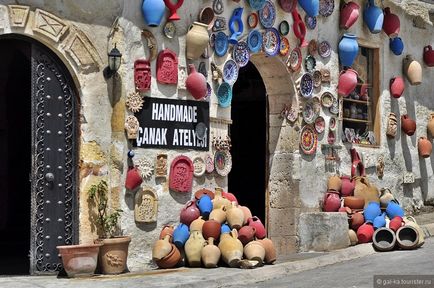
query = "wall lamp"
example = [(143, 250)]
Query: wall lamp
[(114, 62)]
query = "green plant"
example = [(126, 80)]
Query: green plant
[(108, 222)]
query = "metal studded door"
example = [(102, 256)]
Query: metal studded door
[(53, 173)]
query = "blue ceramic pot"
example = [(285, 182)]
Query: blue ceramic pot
[(373, 17), (348, 49), (205, 205), (396, 45), (380, 221), (180, 235), (225, 229), (393, 209), (311, 7), (371, 211), (153, 11), (233, 23)]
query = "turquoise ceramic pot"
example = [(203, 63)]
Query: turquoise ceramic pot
[(348, 49), (153, 11), (373, 17), (371, 211), (393, 209)]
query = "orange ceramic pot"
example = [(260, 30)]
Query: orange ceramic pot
[(408, 125), (424, 146)]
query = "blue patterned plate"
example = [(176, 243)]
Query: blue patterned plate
[(310, 22), (241, 54), (230, 72), (257, 4), (309, 63), (221, 44), (306, 85), (326, 7), (224, 95), (271, 41), (254, 41), (267, 15)]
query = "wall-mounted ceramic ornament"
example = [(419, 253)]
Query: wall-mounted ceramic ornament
[(181, 174), (132, 126), (209, 163), (172, 8), (182, 77), (146, 167), (219, 24), (152, 44), (142, 75), (167, 67), (134, 102), (223, 162), (199, 166), (218, 7), (161, 165), (145, 206)]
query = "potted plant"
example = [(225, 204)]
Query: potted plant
[(114, 252)]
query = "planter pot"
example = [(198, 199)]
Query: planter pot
[(153, 12), (348, 185), (424, 147), (412, 70), (311, 7), (408, 125), (196, 83), (407, 237), (430, 125), (365, 233), (197, 40), (397, 86), (113, 254), (384, 239), (79, 260), (391, 23), (172, 8), (348, 49), (348, 15), (396, 45), (373, 17), (270, 250), (334, 183), (410, 221), (189, 213), (332, 201), (428, 56), (347, 82)]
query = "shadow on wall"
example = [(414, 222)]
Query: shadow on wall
[(406, 153), (423, 178)]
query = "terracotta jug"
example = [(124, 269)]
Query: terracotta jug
[(365, 233), (397, 86), (357, 220), (197, 224), (196, 83), (391, 23), (255, 251), (392, 125), (347, 82), (247, 213), (332, 201), (259, 227), (218, 214), (246, 234), (219, 201), (412, 70), (211, 228), (348, 15), (347, 187), (385, 197), (410, 221), (167, 230), (235, 216), (170, 260), (210, 254), (353, 237), (193, 248), (408, 125), (424, 147), (334, 183), (161, 248), (133, 178), (189, 213), (197, 40), (231, 248), (428, 56), (430, 125), (270, 250)]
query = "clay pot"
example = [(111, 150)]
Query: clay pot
[(205, 205), (424, 147), (210, 254), (410, 221), (114, 248), (270, 250), (353, 237), (211, 228), (218, 214), (397, 86), (391, 23), (371, 211), (161, 248), (196, 83), (235, 216), (347, 187), (347, 82), (407, 237), (392, 125), (357, 220), (247, 213), (428, 56), (332, 201), (393, 209), (396, 45), (430, 125), (348, 49), (345, 210), (385, 197), (412, 70), (255, 251), (153, 12), (197, 40), (207, 16), (365, 233), (197, 225), (384, 239), (219, 201), (373, 17), (225, 229), (354, 202), (167, 230), (408, 125), (334, 183), (246, 234), (171, 260), (189, 213), (79, 260), (396, 223), (133, 179), (231, 248), (256, 223), (231, 197), (193, 248), (348, 15)]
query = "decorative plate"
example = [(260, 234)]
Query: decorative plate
[(241, 54), (134, 102), (223, 162), (146, 167), (252, 20), (284, 27), (254, 41), (292, 115), (327, 99), (324, 49), (317, 78), (319, 124), (334, 109), (331, 137), (271, 41), (169, 29), (295, 59), (309, 63), (312, 48), (199, 166), (308, 140), (209, 163), (221, 44), (267, 15), (309, 113), (333, 123), (310, 22), (257, 4), (230, 72), (284, 46), (201, 130), (224, 95), (326, 7), (306, 85)]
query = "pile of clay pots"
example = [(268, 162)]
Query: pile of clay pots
[(372, 216), (214, 230)]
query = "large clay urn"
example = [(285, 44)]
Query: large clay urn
[(428, 56), (347, 82), (161, 248), (408, 125), (413, 70), (210, 254), (349, 15), (189, 213), (255, 251), (196, 83), (397, 86), (270, 250), (256, 223), (332, 201), (235, 216), (197, 224), (424, 147), (170, 260), (153, 12), (373, 17), (347, 187), (391, 23), (348, 49), (246, 234), (197, 40), (365, 233), (211, 228), (430, 125), (231, 248), (218, 214), (193, 248), (334, 183)]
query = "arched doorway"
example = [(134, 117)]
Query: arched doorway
[(38, 154), (248, 131)]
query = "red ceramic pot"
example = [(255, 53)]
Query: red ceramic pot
[(172, 8), (332, 201), (365, 233), (256, 223), (133, 178), (231, 197), (167, 230), (189, 213), (424, 146), (196, 83), (347, 82), (357, 220), (428, 56), (348, 186), (396, 223), (349, 14), (391, 23), (408, 125), (397, 86), (211, 228), (246, 234)]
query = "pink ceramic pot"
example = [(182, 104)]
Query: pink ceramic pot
[(256, 223), (332, 201), (348, 186), (347, 82), (391, 23), (397, 86), (349, 15), (196, 83), (246, 234), (189, 213), (428, 56)]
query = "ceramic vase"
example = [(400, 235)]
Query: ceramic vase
[(153, 12), (371, 211), (396, 45), (332, 201), (133, 179), (430, 125), (311, 7), (380, 221), (397, 86), (385, 197), (231, 248), (365, 233), (347, 82), (410, 221), (236, 25), (218, 214), (197, 40), (384, 239), (347, 187), (373, 17), (393, 209), (428, 56), (180, 235), (193, 248), (197, 224), (167, 230), (172, 8), (256, 223), (230, 196), (357, 220), (189, 213), (205, 205), (391, 23), (407, 237), (424, 147), (348, 49), (348, 15), (235, 216), (412, 70), (246, 234), (396, 223), (254, 251), (210, 254), (270, 250), (161, 248), (196, 83), (247, 213), (211, 228), (219, 201), (408, 125)]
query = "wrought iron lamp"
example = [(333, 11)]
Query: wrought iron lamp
[(114, 62)]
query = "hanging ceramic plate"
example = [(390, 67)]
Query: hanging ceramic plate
[(326, 7), (284, 27), (308, 140), (327, 99), (201, 130), (257, 4), (240, 53), (309, 113), (169, 29), (292, 115), (199, 166), (310, 22), (221, 44), (222, 162), (252, 20), (230, 72), (333, 123), (306, 85), (224, 95), (312, 48), (295, 59), (334, 109), (254, 41), (209, 163), (267, 15), (317, 78), (309, 63), (324, 49), (271, 42), (284, 46), (319, 124)]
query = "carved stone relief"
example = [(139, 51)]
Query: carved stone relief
[(18, 15), (182, 77), (49, 25), (81, 50), (161, 165), (146, 206)]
